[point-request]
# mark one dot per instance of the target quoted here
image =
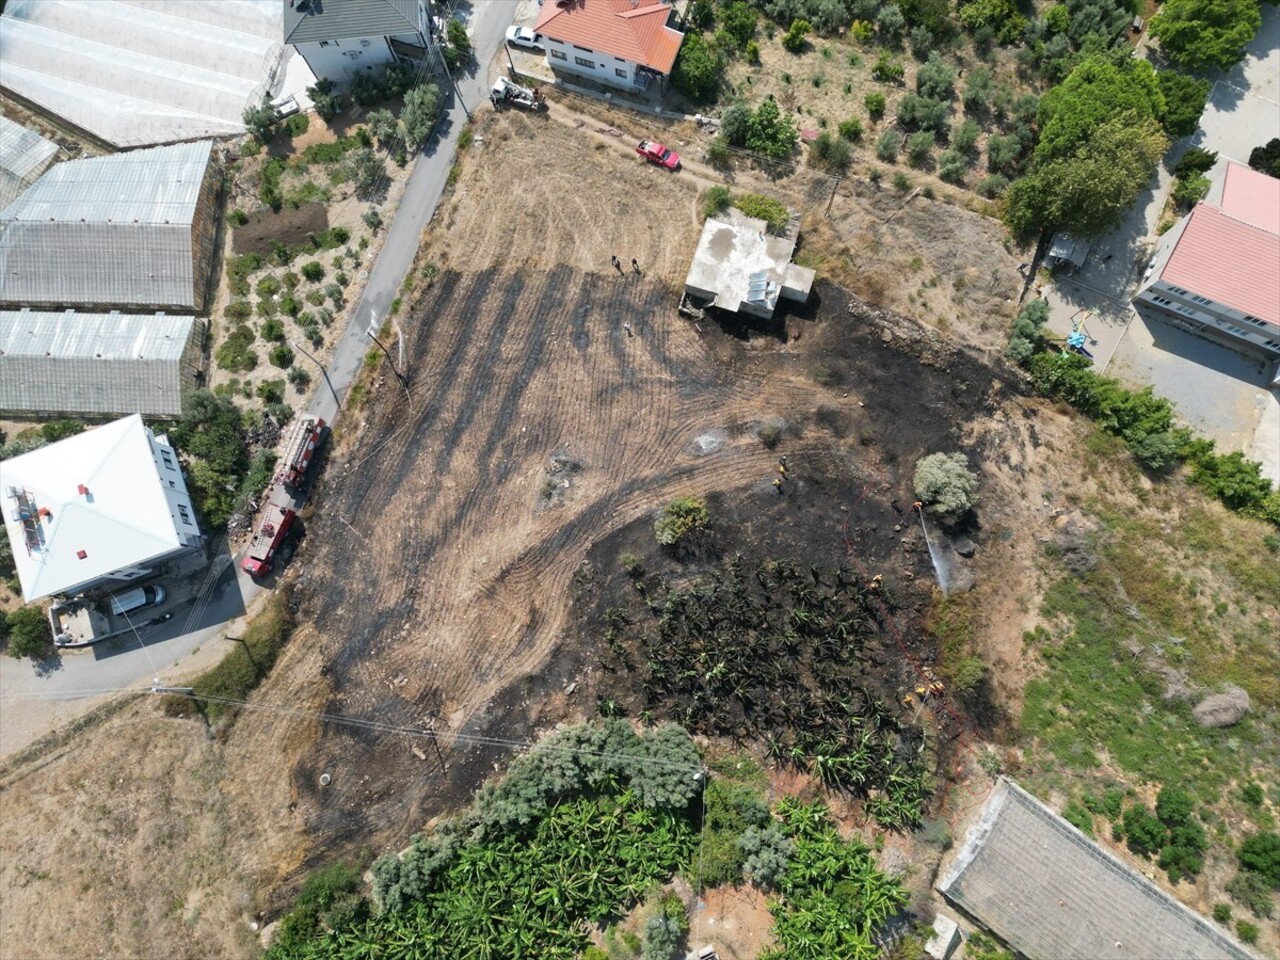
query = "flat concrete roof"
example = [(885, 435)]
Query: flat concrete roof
[(733, 250)]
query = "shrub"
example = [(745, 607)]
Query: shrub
[(936, 79), (1195, 162), (1222, 912), (367, 172), (372, 218), (770, 434), (261, 120), (1184, 100), (737, 24), (300, 378), (770, 132), (920, 113), (887, 146), (272, 330), (1246, 931), (771, 211), (313, 271), (237, 218), (1266, 158), (1253, 891), (953, 167), (717, 200), (1003, 154), (875, 104), (977, 92), (234, 353), (994, 185), (833, 152), (965, 137), (793, 41), (850, 129), (268, 287), (681, 518), (328, 104), (735, 123), (1144, 833), (887, 70), (766, 853), (890, 23), (29, 633), (1251, 793), (696, 73), (901, 182), (1188, 191), (1260, 853), (919, 147), (281, 356), (1174, 806), (270, 391), (422, 106), (945, 484), (718, 152), (753, 53), (383, 126), (1183, 854)]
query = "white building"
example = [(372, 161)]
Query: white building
[(1217, 272), (622, 43), (341, 38), (740, 268), (103, 507)]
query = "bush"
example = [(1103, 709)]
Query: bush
[(718, 152), (890, 23), (977, 92), (696, 73), (261, 120), (1004, 154), (422, 106), (766, 853), (1188, 191), (1260, 853), (1266, 158), (901, 182), (328, 104), (716, 201), (875, 104), (793, 41), (313, 271), (237, 218), (234, 353), (1253, 891), (281, 356), (367, 172), (887, 146), (29, 633), (832, 152), (1246, 931), (1184, 100), (770, 132), (771, 211), (737, 24), (1144, 833), (920, 113), (945, 484), (920, 147), (735, 124), (1195, 162), (850, 130), (936, 79), (681, 518), (1174, 806), (1183, 854), (965, 137), (1251, 793), (887, 70), (383, 126), (270, 391), (272, 330), (993, 186), (1222, 912)]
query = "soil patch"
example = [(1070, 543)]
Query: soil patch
[(291, 227)]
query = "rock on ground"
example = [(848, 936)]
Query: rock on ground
[(1222, 709)]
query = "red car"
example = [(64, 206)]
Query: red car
[(655, 152)]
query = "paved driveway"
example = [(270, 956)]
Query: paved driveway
[(1216, 390)]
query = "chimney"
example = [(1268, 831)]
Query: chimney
[(81, 554), (82, 490)]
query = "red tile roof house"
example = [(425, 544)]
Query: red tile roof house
[(622, 43), (1217, 272)]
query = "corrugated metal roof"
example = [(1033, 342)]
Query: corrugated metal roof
[(1229, 262), (95, 364), (24, 154), (156, 186), (311, 20), (635, 31), (1051, 893), (136, 72), (1251, 197)]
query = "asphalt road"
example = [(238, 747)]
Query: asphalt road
[(34, 698)]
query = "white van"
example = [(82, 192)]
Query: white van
[(130, 600)]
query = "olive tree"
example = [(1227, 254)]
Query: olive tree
[(945, 484)]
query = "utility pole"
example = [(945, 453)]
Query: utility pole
[(399, 376), (324, 371)]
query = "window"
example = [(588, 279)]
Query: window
[(1202, 300), (583, 49), (1178, 290), (1162, 301), (1185, 310), (1255, 321), (168, 460), (557, 55), (1236, 330), (182, 512), (620, 72), (1273, 344), (584, 63)]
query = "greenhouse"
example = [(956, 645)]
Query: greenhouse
[(97, 365), (1050, 892), (24, 155), (133, 230), (143, 72)]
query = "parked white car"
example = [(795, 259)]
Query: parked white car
[(523, 37)]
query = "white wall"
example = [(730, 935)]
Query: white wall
[(339, 60), (1177, 303), (181, 510), (604, 68)]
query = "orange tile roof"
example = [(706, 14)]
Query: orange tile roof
[(634, 30), (1228, 261)]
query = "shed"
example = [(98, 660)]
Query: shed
[(1068, 252), (97, 365)]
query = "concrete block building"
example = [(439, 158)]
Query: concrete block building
[(104, 507), (341, 38), (628, 44), (1217, 272), (739, 267)]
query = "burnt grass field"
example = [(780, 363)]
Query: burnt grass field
[(488, 521)]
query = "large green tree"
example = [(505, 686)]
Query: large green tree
[(1088, 192), (29, 633), (1094, 92), (1200, 34), (771, 132), (696, 73)]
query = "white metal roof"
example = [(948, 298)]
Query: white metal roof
[(137, 72), (24, 154), (94, 364), (106, 230), (123, 520)]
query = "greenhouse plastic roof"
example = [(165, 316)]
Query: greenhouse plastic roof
[(24, 154), (139, 72), (1051, 893), (92, 364), (106, 230)]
